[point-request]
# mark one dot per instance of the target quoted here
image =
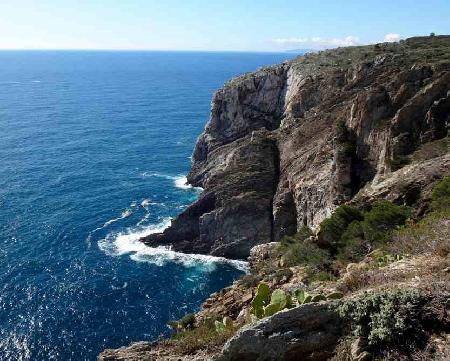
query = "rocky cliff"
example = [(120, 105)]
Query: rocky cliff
[(287, 144), (333, 172)]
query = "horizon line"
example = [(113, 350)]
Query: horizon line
[(292, 51)]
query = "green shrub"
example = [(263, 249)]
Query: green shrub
[(205, 336), (441, 194), (301, 235), (383, 318), (347, 150), (372, 231), (347, 236), (187, 322), (304, 253), (332, 228), (382, 219), (321, 276), (352, 246), (299, 250)]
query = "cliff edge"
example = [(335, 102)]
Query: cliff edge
[(286, 145)]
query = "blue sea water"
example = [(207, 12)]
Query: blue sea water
[(93, 150)]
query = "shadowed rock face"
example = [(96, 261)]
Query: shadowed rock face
[(284, 146)]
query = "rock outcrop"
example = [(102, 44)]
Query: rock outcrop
[(286, 145), (310, 332)]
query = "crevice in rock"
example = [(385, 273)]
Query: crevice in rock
[(276, 180)]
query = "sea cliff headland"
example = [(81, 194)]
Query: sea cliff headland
[(331, 172)]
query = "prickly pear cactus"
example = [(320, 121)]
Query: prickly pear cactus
[(318, 298), (260, 300), (335, 295), (303, 297), (227, 322), (271, 309), (264, 304), (279, 297), (220, 326)]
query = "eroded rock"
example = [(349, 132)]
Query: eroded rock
[(309, 332)]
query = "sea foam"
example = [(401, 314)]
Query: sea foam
[(127, 242), (180, 181)]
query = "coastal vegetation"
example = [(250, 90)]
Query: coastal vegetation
[(354, 247)]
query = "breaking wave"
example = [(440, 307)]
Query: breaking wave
[(127, 242), (179, 181)]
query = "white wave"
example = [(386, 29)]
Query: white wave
[(125, 214), (180, 181), (35, 81), (158, 175), (118, 244), (125, 285), (146, 203), (162, 255)]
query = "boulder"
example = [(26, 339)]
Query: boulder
[(308, 332)]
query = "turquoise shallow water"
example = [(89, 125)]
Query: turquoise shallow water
[(93, 150)]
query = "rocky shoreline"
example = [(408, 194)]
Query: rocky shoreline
[(331, 172)]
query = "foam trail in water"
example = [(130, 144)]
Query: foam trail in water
[(145, 203), (126, 213), (117, 244)]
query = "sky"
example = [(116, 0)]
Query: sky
[(230, 25)]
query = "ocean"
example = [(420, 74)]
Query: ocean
[(94, 149)]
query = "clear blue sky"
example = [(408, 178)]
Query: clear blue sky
[(214, 25)]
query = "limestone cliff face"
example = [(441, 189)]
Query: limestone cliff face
[(284, 146)]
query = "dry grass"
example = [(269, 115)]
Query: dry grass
[(204, 337), (431, 150), (343, 351), (430, 235), (426, 272)]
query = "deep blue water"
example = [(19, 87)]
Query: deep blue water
[(93, 149)]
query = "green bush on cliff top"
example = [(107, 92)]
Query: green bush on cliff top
[(384, 318), (299, 250), (441, 195), (352, 234), (332, 228)]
